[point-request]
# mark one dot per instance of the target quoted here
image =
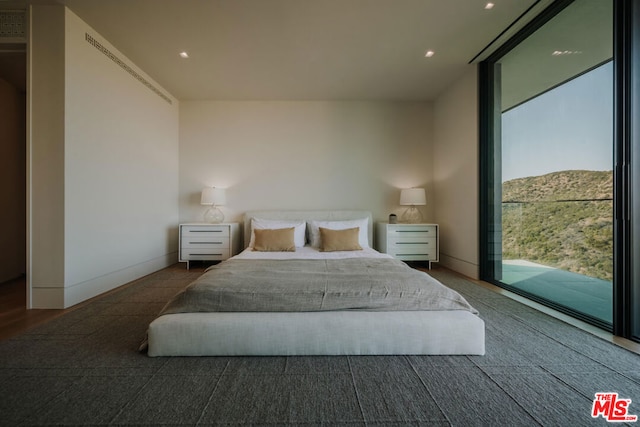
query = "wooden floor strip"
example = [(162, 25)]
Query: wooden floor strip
[(14, 316)]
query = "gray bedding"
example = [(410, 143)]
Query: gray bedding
[(378, 284)]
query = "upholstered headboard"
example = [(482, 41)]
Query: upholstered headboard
[(337, 215)]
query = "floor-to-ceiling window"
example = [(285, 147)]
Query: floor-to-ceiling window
[(549, 148)]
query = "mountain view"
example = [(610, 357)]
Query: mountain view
[(562, 220)]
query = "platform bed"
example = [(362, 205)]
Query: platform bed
[(392, 324)]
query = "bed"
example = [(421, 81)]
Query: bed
[(306, 301)]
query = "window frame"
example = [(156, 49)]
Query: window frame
[(626, 215)]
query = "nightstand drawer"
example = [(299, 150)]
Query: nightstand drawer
[(205, 254), (427, 250), (206, 231), (205, 242), (405, 231), (407, 243), (428, 256)]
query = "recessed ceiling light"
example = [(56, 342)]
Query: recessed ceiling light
[(489, 6), (429, 54), (184, 55), (566, 52)]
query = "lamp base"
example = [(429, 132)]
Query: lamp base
[(411, 216), (213, 215)]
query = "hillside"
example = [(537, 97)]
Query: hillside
[(565, 185), (562, 219)]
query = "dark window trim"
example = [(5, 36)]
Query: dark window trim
[(627, 136), (633, 178), (485, 168)]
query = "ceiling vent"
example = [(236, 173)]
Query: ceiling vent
[(122, 64), (13, 26)]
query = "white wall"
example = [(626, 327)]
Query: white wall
[(455, 174), (120, 149), (304, 155), (45, 156)]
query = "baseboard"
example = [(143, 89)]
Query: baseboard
[(47, 298), (466, 268), (79, 292)]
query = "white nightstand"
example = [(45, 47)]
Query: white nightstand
[(208, 242), (409, 242)]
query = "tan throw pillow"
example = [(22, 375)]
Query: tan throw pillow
[(274, 240), (339, 240)]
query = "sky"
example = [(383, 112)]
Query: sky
[(567, 128)]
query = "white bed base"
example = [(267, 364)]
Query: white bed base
[(316, 333)]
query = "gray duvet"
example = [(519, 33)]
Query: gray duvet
[(380, 284)]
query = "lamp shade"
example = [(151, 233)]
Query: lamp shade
[(213, 196), (413, 196)]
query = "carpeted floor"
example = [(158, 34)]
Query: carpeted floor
[(83, 369)]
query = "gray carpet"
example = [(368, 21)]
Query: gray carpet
[(83, 369)]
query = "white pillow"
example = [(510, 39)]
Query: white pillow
[(363, 234), (273, 224)]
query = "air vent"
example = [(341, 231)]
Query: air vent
[(93, 42), (13, 26)]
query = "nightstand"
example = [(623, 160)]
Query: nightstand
[(409, 242), (208, 242)]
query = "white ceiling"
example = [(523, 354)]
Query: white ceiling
[(299, 49)]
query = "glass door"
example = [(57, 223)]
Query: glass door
[(551, 227)]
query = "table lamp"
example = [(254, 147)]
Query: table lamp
[(213, 197), (412, 197)]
